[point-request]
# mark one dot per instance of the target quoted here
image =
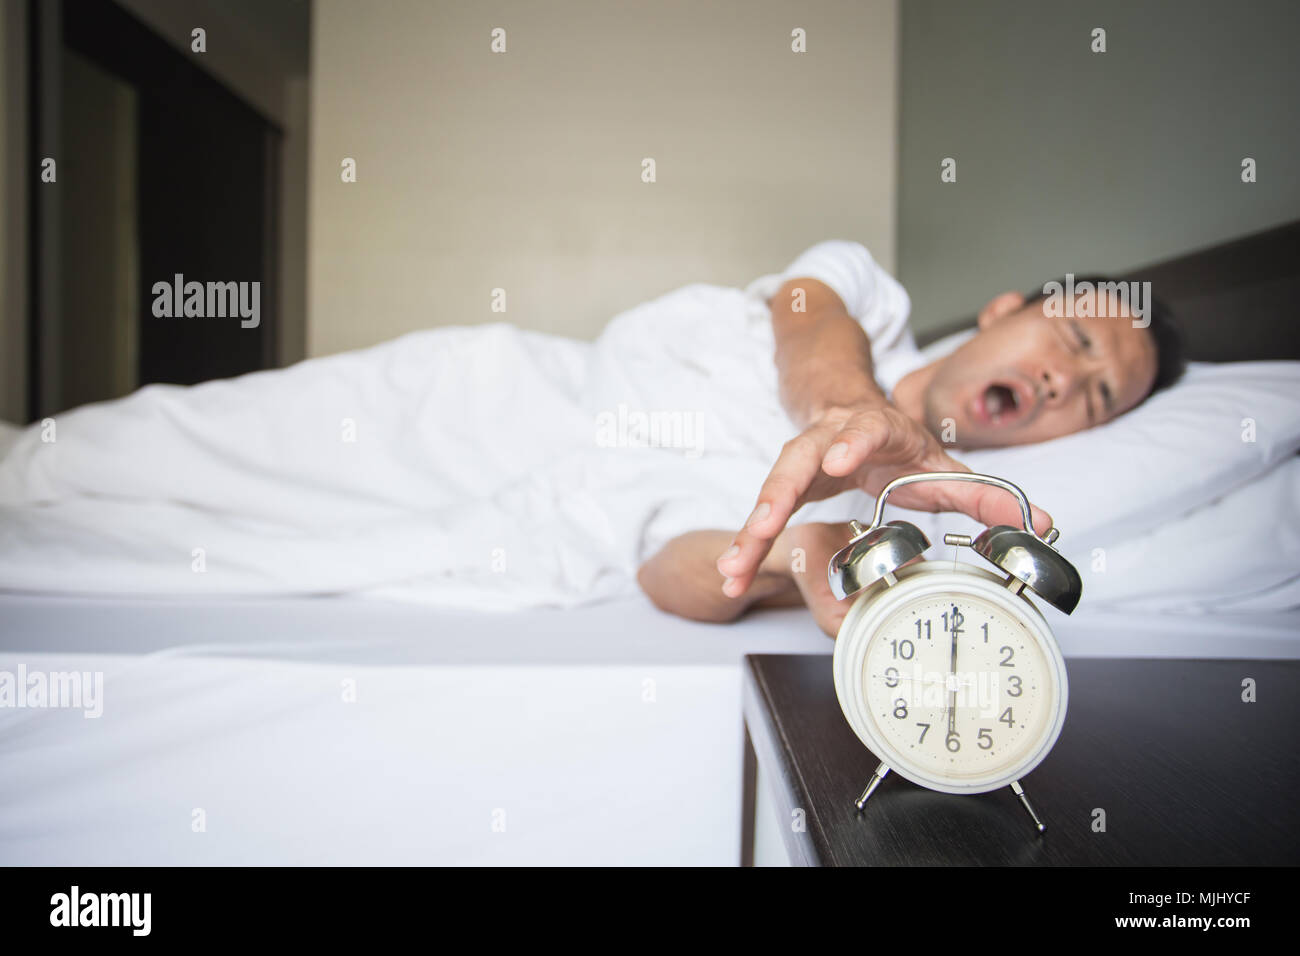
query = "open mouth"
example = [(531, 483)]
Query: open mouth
[(1001, 403)]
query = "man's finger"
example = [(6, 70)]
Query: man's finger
[(990, 506), (739, 564), (782, 493), (860, 438)]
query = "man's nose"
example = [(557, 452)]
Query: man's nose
[(1057, 383)]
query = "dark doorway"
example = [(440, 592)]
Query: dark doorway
[(160, 171)]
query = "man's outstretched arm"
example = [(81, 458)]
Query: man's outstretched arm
[(852, 435), (823, 357), (681, 579)]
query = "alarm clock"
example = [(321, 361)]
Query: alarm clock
[(946, 671)]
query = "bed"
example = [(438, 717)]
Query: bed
[(608, 734), (358, 731)]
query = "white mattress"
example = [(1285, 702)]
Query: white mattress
[(603, 735)]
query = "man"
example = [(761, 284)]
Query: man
[(1034, 371)]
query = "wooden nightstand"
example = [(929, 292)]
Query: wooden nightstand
[(1187, 774)]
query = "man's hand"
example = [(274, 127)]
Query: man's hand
[(818, 542), (863, 446)]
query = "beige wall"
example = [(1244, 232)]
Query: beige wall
[(522, 170)]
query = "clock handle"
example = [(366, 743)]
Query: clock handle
[(960, 476), (1028, 558)]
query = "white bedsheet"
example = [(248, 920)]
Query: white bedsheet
[(607, 734)]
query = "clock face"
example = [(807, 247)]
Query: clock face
[(954, 681)]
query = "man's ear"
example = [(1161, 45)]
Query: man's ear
[(1002, 304)]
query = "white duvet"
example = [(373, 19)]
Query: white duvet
[(484, 467), (489, 467)]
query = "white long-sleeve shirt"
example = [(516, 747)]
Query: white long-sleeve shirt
[(870, 294)]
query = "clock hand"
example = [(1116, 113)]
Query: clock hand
[(956, 619)]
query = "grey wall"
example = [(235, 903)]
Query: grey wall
[(1074, 161)]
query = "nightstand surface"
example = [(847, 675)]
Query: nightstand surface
[(1187, 773)]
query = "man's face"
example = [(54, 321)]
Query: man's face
[(1027, 377)]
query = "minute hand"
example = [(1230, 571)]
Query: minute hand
[(952, 665)]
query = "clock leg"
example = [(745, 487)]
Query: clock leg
[(1019, 791), (876, 777)]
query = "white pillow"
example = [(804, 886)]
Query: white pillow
[(1179, 450), (947, 345), (1238, 553), (1219, 427)]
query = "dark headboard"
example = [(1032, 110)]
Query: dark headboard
[(1237, 301)]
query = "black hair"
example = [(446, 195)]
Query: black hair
[(1171, 362)]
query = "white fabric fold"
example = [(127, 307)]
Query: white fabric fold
[(478, 466)]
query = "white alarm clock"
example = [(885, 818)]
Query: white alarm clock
[(946, 671)]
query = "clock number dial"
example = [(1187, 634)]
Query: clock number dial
[(965, 675)]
